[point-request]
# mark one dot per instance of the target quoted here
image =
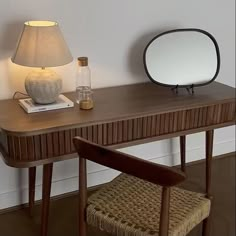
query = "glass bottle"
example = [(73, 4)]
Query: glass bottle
[(83, 84)]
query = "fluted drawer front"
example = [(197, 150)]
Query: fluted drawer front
[(59, 143)]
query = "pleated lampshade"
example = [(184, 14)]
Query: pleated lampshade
[(41, 44)]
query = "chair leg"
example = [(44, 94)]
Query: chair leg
[(183, 152), (47, 180), (164, 215), (31, 176), (206, 227)]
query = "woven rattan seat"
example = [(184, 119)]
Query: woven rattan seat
[(143, 201), (129, 206)]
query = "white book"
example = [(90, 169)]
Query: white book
[(30, 106)]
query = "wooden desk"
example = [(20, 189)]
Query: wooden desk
[(122, 115)]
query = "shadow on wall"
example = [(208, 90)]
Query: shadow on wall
[(8, 38), (14, 74), (135, 54)]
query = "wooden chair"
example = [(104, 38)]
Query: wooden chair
[(142, 201)]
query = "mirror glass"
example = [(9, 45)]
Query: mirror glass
[(182, 57)]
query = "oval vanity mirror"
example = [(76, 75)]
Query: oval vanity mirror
[(182, 58)]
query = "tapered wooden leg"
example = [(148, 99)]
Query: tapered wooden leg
[(206, 227), (183, 152), (209, 152), (82, 197), (164, 217), (31, 176), (47, 179)]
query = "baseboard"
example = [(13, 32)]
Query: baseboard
[(63, 186)]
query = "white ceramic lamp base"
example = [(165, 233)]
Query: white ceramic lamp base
[(43, 86)]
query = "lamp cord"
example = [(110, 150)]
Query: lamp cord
[(18, 92)]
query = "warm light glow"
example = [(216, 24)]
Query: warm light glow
[(40, 23)]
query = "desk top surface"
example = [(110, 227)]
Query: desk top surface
[(112, 103)]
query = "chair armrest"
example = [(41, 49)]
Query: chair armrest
[(155, 173)]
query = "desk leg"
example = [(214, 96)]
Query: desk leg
[(32, 174), (183, 152), (82, 197), (47, 179), (209, 151)]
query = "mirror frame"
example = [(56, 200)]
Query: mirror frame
[(182, 30)]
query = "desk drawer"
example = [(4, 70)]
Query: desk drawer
[(40, 147)]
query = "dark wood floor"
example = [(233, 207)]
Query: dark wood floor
[(63, 212)]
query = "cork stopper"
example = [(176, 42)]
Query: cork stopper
[(82, 61)]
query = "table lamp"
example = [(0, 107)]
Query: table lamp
[(42, 45)]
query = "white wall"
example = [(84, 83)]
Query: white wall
[(113, 35)]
